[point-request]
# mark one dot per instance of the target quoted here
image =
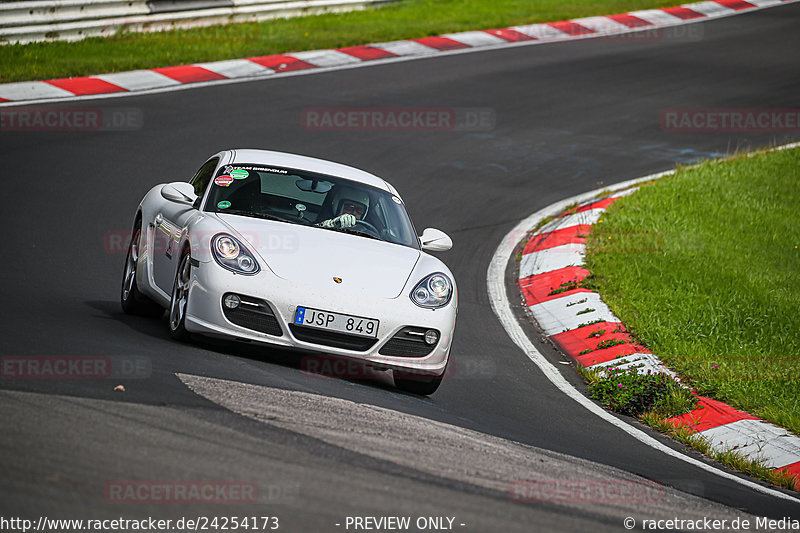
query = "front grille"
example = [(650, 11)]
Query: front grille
[(408, 342), (332, 338), (254, 314)]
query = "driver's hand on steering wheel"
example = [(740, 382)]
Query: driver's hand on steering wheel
[(345, 221)]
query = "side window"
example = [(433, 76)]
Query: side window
[(203, 176)]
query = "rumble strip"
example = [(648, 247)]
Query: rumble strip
[(553, 256), (202, 74)]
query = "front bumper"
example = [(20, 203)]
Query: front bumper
[(205, 315)]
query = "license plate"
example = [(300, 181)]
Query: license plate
[(354, 325)]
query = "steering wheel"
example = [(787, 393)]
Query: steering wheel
[(372, 230)]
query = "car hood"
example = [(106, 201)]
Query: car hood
[(315, 256)]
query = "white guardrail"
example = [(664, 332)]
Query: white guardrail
[(71, 20)]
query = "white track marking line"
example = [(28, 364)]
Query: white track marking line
[(626, 192), (498, 298)]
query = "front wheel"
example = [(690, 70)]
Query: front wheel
[(180, 300), (134, 302)]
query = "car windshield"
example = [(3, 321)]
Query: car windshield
[(310, 199)]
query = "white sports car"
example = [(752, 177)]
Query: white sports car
[(293, 251)]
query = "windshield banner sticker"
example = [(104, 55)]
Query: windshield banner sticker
[(241, 171), (223, 181)]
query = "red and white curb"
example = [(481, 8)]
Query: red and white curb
[(200, 74), (580, 323)]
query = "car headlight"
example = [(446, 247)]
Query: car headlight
[(233, 255), (433, 291)]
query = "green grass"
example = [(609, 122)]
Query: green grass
[(706, 273), (403, 20), (634, 394)]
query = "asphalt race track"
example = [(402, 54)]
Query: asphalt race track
[(568, 118)]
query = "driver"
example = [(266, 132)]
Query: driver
[(351, 205)]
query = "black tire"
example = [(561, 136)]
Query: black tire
[(416, 384), (179, 301), (134, 302)]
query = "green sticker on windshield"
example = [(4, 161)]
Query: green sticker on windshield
[(225, 204), (239, 174)]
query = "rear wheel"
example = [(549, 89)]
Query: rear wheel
[(134, 302), (180, 299)]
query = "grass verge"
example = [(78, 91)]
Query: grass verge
[(728, 457), (630, 393), (653, 398), (704, 268), (403, 20)]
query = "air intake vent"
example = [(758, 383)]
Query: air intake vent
[(409, 342), (252, 313), (332, 338)]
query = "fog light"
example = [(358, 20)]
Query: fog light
[(431, 337), (232, 301)]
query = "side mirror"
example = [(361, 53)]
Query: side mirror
[(179, 192), (434, 240)]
